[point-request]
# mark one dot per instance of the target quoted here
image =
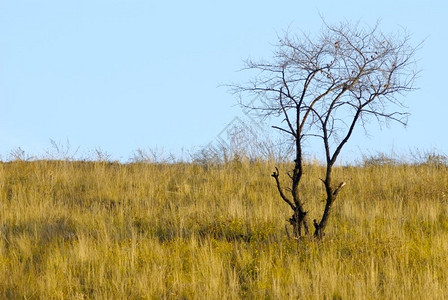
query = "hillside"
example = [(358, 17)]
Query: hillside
[(89, 230)]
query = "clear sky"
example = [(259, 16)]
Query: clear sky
[(123, 75)]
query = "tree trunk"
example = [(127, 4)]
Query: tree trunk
[(319, 228)]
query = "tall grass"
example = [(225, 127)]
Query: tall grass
[(98, 230)]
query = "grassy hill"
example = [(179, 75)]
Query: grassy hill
[(98, 230)]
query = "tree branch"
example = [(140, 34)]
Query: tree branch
[(275, 174)]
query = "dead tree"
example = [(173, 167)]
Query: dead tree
[(322, 87)]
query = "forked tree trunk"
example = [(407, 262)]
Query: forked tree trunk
[(299, 218)]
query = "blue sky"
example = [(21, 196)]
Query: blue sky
[(123, 75)]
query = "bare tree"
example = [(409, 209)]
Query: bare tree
[(322, 87)]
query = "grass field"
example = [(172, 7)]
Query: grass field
[(98, 230)]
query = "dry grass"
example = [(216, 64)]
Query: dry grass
[(96, 230)]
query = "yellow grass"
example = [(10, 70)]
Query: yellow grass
[(96, 230)]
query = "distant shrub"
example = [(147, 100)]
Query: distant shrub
[(379, 159)]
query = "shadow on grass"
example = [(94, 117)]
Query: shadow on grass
[(220, 229)]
